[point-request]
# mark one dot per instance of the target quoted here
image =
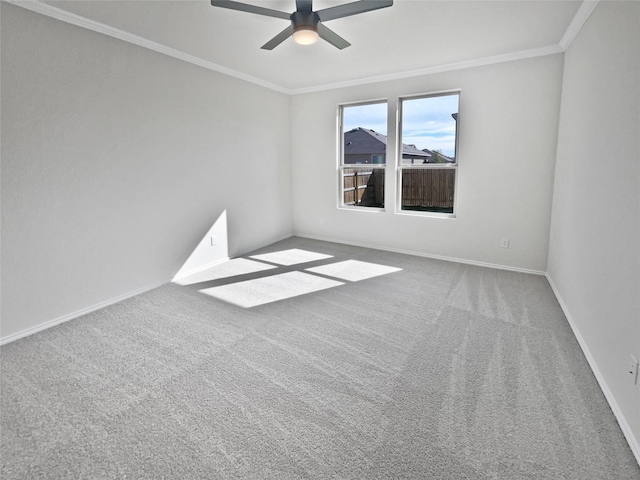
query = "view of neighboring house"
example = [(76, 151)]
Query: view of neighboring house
[(437, 157), (362, 145)]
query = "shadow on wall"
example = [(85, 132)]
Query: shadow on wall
[(211, 250)]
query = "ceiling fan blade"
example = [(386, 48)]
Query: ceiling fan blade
[(278, 39), (332, 37), (243, 7), (353, 8), (304, 5)]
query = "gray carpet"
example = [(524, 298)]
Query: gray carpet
[(437, 370)]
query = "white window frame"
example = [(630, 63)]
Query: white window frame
[(433, 166), (341, 166)]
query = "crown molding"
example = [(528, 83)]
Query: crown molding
[(579, 19), (480, 62), (80, 21)]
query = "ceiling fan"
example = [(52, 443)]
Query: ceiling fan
[(306, 25)]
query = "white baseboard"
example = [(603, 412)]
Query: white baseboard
[(77, 313), (425, 255), (622, 421)]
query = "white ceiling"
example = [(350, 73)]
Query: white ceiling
[(411, 35)]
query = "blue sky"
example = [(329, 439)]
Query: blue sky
[(426, 122), (372, 116)]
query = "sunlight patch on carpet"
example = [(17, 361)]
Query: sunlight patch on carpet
[(353, 270), (232, 268), (252, 293), (293, 256)]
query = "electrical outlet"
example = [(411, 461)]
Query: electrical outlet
[(214, 240), (633, 369), (504, 243)]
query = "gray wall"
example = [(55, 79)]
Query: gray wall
[(116, 161), (594, 254), (508, 126)]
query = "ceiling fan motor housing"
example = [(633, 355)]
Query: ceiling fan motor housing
[(304, 20)]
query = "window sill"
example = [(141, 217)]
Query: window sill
[(414, 213), (361, 209)]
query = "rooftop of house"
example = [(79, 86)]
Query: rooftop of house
[(441, 155), (360, 141)]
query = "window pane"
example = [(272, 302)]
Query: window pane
[(364, 144), (429, 128), (365, 133), (363, 187), (428, 189), (428, 161)]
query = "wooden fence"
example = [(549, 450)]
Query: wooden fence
[(422, 189), (428, 188), (364, 188)]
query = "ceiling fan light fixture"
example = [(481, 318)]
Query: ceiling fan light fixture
[(305, 35), (307, 24)]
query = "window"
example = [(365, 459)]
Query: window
[(427, 159), (363, 152)]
